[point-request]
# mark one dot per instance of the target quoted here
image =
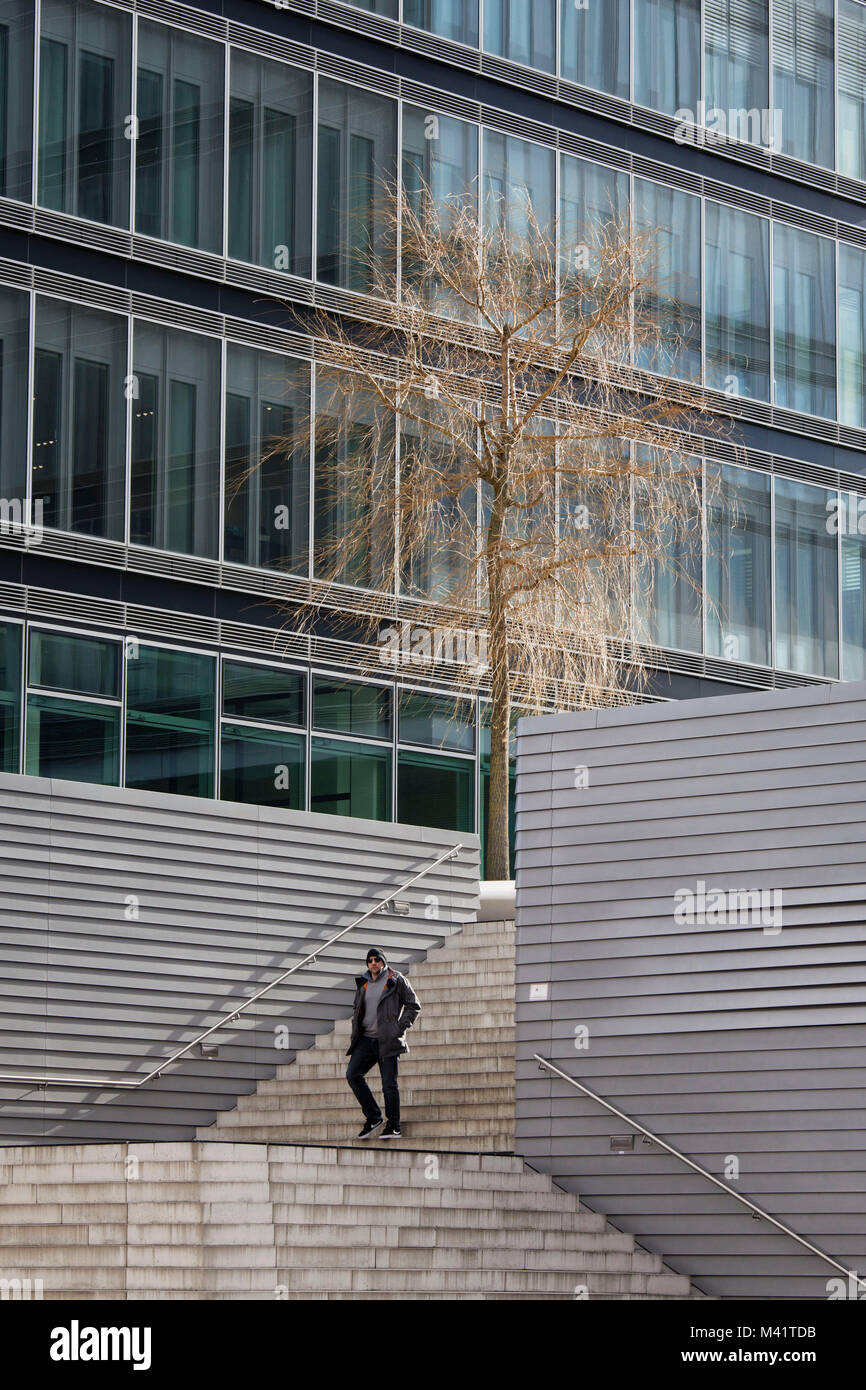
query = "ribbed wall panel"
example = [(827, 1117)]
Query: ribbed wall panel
[(227, 897), (724, 1040)]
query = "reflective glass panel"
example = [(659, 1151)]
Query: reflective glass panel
[(739, 565), (80, 665), (73, 740), (807, 607), (179, 150), (350, 779), (522, 30), (10, 695), (79, 419), (667, 54), (343, 707), (85, 81), (437, 722), (16, 98), (262, 768), (267, 479), (175, 440), (270, 164), (804, 285), (357, 160), (595, 45), (435, 791), (737, 327), (170, 721), (267, 694), (803, 78)]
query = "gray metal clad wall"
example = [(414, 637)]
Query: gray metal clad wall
[(228, 896), (721, 1039)]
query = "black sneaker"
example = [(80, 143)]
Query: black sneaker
[(391, 1132), (370, 1127)]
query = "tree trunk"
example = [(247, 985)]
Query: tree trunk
[(498, 847)]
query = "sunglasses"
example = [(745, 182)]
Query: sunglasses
[(378, 958)]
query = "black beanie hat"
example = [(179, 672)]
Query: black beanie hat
[(376, 951)]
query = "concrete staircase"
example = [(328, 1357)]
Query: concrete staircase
[(456, 1084), (278, 1199), (262, 1221)]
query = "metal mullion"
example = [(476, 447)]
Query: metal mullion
[(773, 553), (133, 154), (840, 627), (221, 485), (31, 377), (264, 728), (37, 37), (226, 135), (73, 696)]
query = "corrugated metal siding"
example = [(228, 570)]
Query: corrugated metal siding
[(723, 1040), (227, 897)]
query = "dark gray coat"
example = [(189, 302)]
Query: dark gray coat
[(398, 1009)]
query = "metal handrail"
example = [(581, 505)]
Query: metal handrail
[(111, 1083), (755, 1210)]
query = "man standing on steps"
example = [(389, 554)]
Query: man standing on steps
[(385, 1006)]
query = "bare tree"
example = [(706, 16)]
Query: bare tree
[(546, 485)]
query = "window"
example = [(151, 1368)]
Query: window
[(853, 526), (357, 153), (851, 79), (594, 201), (595, 46), (523, 32), (437, 791), (350, 779), (668, 568), (170, 721), (737, 61), (70, 737), (179, 151), (439, 154), (737, 330), (739, 565), (175, 441), (263, 767), (805, 321), (265, 694), (447, 19), (803, 78), (437, 722), (343, 707), (85, 72), (518, 174), (438, 516), (671, 223), (75, 665), (16, 98), (807, 612), (10, 695), (355, 463), (267, 487), (852, 335), (270, 164), (14, 374), (79, 419), (667, 54)]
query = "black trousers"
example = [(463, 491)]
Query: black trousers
[(365, 1056)]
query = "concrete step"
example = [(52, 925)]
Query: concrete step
[(314, 1088)]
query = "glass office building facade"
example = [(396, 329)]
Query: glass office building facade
[(168, 185)]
